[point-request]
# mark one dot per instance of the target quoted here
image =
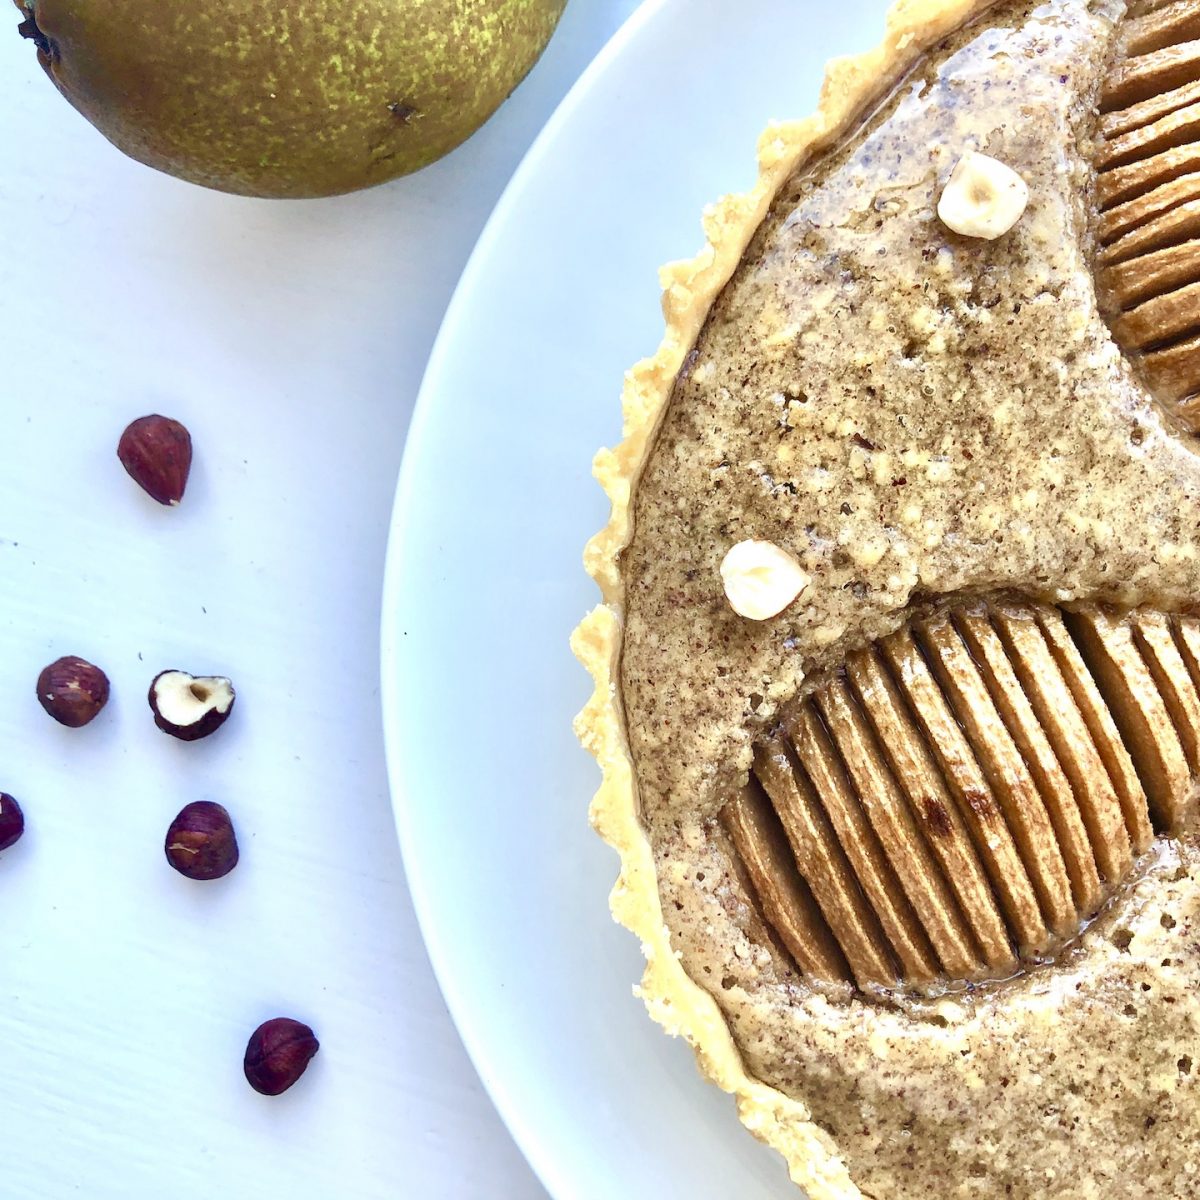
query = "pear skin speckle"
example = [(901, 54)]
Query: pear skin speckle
[(311, 98)]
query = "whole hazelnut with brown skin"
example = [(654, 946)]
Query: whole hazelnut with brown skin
[(201, 843), (157, 453), (277, 1055), (190, 707), (12, 821), (72, 690)]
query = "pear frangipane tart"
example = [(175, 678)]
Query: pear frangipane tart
[(897, 671)]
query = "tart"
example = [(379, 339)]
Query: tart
[(897, 667)]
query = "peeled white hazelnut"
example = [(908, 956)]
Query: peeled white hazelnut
[(983, 198), (760, 579), (190, 707)]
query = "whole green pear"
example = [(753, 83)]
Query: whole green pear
[(288, 97)]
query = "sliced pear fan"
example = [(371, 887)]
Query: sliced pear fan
[(1148, 188), (964, 796)]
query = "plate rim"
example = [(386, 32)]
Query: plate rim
[(536, 1153)]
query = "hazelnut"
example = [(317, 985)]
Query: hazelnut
[(157, 453), (983, 198), (190, 707), (72, 690), (201, 843), (277, 1055), (12, 821), (761, 580)]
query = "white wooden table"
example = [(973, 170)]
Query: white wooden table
[(290, 338)]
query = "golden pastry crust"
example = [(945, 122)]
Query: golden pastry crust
[(690, 288)]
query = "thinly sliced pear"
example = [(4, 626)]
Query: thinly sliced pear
[(866, 856), (917, 773), (892, 820), (1138, 708), (821, 862), (1029, 735), (786, 900)]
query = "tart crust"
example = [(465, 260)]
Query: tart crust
[(675, 1001)]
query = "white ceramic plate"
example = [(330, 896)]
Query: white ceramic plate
[(484, 586)]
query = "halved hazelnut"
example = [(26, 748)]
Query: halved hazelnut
[(190, 707), (72, 690), (201, 843), (12, 821), (157, 453), (983, 198), (761, 579)]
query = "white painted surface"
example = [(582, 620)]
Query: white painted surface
[(558, 301), (291, 339)]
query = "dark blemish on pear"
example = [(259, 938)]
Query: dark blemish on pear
[(404, 113)]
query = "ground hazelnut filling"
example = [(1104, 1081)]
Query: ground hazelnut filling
[(905, 830)]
